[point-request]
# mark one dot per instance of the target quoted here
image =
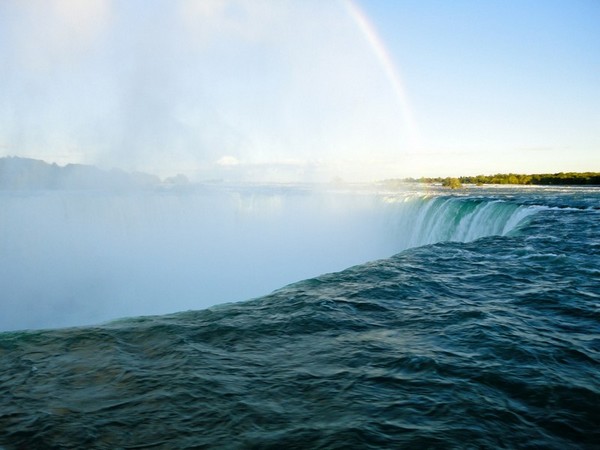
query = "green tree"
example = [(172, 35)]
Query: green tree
[(452, 183)]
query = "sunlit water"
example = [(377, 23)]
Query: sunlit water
[(479, 328)]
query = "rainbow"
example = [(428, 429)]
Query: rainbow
[(392, 73)]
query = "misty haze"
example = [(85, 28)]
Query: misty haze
[(97, 252)]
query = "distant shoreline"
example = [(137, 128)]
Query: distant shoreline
[(544, 179), (27, 173)]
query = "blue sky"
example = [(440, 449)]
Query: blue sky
[(299, 90), (500, 85)]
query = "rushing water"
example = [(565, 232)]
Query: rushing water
[(481, 331)]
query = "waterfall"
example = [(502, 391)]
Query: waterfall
[(73, 257)]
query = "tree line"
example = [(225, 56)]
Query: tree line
[(561, 178)]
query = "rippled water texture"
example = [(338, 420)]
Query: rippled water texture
[(492, 343)]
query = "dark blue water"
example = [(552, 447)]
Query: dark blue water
[(489, 343)]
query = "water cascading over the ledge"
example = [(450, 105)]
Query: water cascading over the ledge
[(73, 258), (440, 219)]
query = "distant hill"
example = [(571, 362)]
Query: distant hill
[(25, 173)]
